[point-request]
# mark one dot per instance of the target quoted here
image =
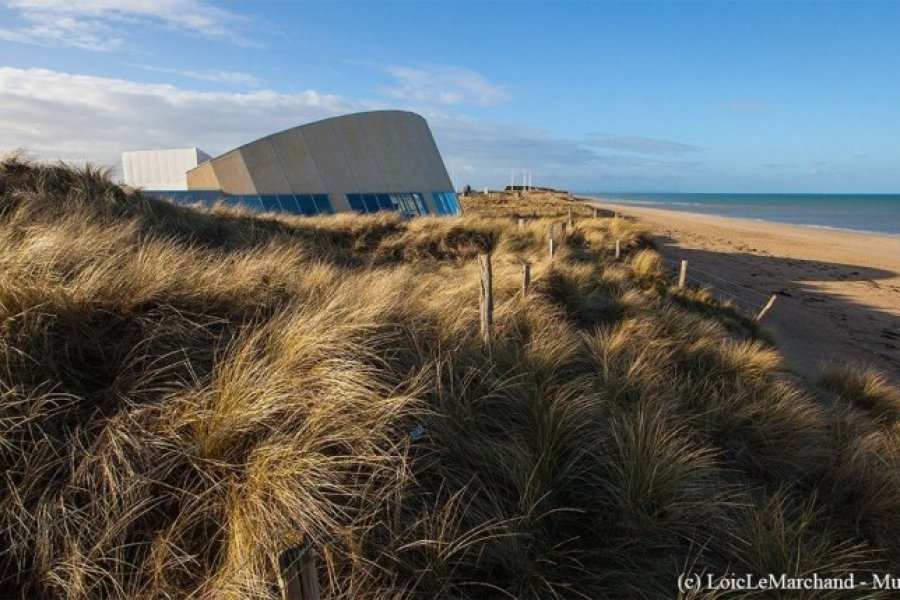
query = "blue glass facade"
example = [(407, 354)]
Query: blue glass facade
[(298, 204), (447, 203), (409, 204)]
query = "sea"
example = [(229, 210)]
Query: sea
[(873, 213)]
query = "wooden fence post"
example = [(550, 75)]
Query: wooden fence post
[(596, 212), (766, 308), (526, 278), (521, 224), (552, 248), (618, 250), (486, 299), (682, 276), (299, 580)]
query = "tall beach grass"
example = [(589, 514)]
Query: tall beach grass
[(185, 392)]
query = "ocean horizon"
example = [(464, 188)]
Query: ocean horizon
[(870, 213)]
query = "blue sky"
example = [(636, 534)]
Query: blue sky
[(591, 96)]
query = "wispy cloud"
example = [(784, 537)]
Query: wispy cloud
[(56, 30), (53, 114), (486, 153), (76, 117), (444, 85), (99, 25), (212, 75), (643, 145)]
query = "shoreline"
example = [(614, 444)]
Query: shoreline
[(838, 290), (650, 206)]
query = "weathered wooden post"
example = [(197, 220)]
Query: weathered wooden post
[(526, 278), (299, 580), (766, 308), (521, 224), (552, 248), (486, 298), (596, 212), (682, 276)]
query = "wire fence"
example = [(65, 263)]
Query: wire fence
[(745, 298)]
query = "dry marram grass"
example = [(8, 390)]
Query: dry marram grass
[(186, 392)]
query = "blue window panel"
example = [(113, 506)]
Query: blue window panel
[(307, 204), (454, 200), (270, 202), (295, 204), (241, 201), (209, 198), (384, 202), (439, 202), (371, 202), (323, 206), (446, 202), (411, 198), (356, 202), (288, 204), (395, 201), (409, 205), (420, 203)]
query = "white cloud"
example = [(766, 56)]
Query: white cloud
[(444, 85), (47, 30), (77, 117), (211, 75), (97, 24), (56, 115), (643, 145), (484, 153)]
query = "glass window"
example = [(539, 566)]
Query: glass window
[(356, 202), (270, 202), (420, 203), (249, 200), (371, 202), (236, 201), (288, 203), (384, 202), (323, 206), (439, 202), (446, 202), (410, 208), (307, 204)]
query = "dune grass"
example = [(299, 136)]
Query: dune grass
[(186, 392)]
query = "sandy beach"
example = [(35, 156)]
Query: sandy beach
[(838, 291)]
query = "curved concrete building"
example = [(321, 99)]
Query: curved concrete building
[(366, 162)]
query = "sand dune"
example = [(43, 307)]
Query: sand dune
[(838, 291)]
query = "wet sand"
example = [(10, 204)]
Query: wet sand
[(838, 291)]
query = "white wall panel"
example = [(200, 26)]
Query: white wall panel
[(160, 169)]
